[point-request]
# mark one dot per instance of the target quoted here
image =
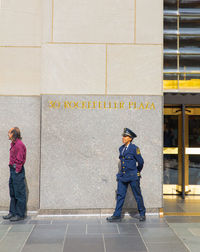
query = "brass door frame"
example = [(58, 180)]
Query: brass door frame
[(173, 188), (190, 189)]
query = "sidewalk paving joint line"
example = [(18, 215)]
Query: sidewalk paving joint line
[(179, 238), (65, 236), (27, 238), (142, 238), (5, 233), (104, 244), (85, 215), (118, 228)]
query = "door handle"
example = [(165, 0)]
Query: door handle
[(187, 110)]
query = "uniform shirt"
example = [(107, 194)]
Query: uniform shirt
[(131, 162), (125, 148), (17, 154)]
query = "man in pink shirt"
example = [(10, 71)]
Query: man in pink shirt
[(17, 177)]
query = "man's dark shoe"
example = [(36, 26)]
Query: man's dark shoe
[(16, 218), (113, 218), (7, 217), (142, 218)]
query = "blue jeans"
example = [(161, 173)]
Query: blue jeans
[(17, 189)]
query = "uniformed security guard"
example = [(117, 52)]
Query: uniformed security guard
[(131, 166)]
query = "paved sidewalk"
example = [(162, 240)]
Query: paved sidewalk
[(94, 234)]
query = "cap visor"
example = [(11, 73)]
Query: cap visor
[(124, 135)]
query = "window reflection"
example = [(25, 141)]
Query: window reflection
[(170, 4), (170, 81), (189, 6), (170, 131), (188, 80), (194, 131), (170, 44), (189, 25), (170, 169), (194, 169), (170, 76), (189, 76), (189, 44), (181, 44), (170, 63), (170, 25), (189, 63)]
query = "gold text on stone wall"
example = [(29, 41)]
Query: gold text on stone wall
[(108, 105)]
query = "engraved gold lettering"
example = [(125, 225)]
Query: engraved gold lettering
[(84, 105), (130, 105), (76, 105), (67, 104), (109, 105), (51, 104), (152, 106), (100, 105), (89, 104), (141, 106), (121, 105), (94, 104), (72, 105), (54, 104)]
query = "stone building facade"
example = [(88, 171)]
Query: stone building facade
[(73, 74)]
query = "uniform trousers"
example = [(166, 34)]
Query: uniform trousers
[(17, 190), (121, 194)]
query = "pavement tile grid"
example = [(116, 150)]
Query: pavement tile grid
[(89, 234), (187, 229)]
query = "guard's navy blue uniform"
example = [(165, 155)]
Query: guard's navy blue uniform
[(131, 166)]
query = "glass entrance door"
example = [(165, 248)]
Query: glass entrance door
[(181, 150)]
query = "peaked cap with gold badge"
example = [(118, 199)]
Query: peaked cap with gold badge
[(128, 132)]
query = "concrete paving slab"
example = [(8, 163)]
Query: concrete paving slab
[(158, 235), (76, 229), (84, 243), (90, 234), (166, 247), (125, 243), (128, 228)]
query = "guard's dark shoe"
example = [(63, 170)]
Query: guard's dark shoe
[(142, 218), (7, 217), (16, 218), (113, 218)]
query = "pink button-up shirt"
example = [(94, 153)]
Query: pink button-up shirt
[(17, 154)]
